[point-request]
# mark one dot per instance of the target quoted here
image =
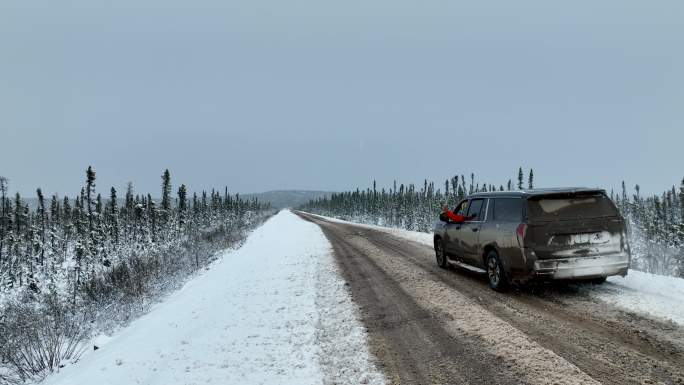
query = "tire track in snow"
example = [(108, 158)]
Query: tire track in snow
[(411, 346)]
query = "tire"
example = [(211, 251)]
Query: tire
[(440, 254), (598, 281), (495, 272)]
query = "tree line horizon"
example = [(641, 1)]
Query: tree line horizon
[(655, 222)]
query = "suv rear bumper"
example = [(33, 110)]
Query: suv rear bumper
[(583, 267)]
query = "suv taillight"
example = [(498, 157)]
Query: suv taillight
[(520, 233)]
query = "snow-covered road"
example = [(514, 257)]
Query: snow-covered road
[(273, 312)]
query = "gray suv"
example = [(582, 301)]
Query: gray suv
[(518, 236)]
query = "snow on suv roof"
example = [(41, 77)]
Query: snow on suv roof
[(539, 191)]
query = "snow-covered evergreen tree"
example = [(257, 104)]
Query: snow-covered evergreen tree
[(530, 180)]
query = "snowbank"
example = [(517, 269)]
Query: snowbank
[(653, 295), (271, 312)]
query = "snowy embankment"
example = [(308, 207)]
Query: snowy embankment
[(656, 296), (274, 311)]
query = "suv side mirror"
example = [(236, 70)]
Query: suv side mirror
[(443, 217)]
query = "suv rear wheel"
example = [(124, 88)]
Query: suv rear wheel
[(440, 254), (495, 272)]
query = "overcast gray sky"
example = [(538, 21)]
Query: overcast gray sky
[(329, 95)]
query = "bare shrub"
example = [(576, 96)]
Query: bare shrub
[(37, 340)]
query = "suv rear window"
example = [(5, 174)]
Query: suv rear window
[(506, 209), (570, 207)]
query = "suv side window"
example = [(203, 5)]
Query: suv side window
[(461, 208), (506, 209), (475, 210)]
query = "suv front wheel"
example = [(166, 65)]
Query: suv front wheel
[(495, 272), (440, 254)]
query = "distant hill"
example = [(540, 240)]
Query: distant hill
[(287, 198)]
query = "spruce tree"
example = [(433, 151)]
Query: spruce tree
[(90, 241), (55, 222), (66, 210), (19, 223), (29, 242), (3, 216), (166, 193), (67, 225), (41, 218), (55, 212), (80, 238), (152, 215), (681, 203), (520, 178), (129, 210), (113, 216), (183, 202), (530, 180), (112, 205), (195, 204), (90, 190), (675, 204), (98, 207), (99, 234)]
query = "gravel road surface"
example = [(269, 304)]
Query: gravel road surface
[(434, 326)]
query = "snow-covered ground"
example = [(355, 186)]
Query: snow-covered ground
[(275, 311), (654, 295)]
